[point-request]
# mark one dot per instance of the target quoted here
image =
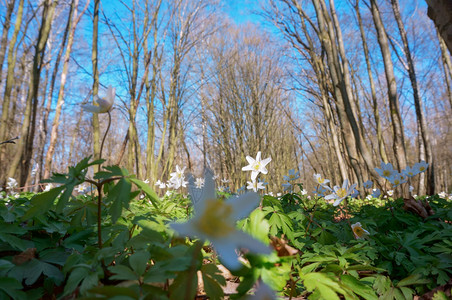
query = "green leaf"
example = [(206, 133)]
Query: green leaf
[(382, 284), (148, 191), (358, 287), (412, 280), (439, 295), (52, 272), (123, 273), (64, 198), (139, 260), (258, 226), (407, 292), (75, 277), (184, 286), (212, 287), (41, 203), (119, 197), (323, 284), (89, 282), (14, 241), (12, 288), (111, 291)]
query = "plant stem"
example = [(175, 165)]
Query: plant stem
[(105, 135), (99, 215)]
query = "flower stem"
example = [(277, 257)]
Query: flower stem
[(105, 135)]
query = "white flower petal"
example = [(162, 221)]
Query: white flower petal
[(226, 251), (338, 201), (91, 108), (243, 240), (244, 204)]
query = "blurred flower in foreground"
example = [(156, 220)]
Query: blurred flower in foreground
[(257, 165), (263, 292), (292, 175), (340, 193), (358, 230), (443, 195), (103, 105), (303, 192), (215, 220), (390, 193)]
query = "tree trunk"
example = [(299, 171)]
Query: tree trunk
[(423, 129), (94, 60), (10, 81), (60, 100), (25, 144), (396, 119), (440, 11), (447, 67), (4, 39), (376, 113)]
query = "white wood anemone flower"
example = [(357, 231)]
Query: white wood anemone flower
[(104, 105), (257, 165), (358, 231), (340, 193), (215, 220), (320, 180)]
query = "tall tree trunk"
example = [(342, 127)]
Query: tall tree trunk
[(5, 31), (423, 129), (440, 12), (396, 119), (25, 144), (376, 112), (60, 99), (94, 60), (10, 81), (447, 67)]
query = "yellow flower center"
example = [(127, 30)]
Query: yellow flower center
[(320, 180), (386, 173), (257, 166), (215, 221), (291, 176), (421, 169), (358, 231), (396, 182), (341, 192)]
